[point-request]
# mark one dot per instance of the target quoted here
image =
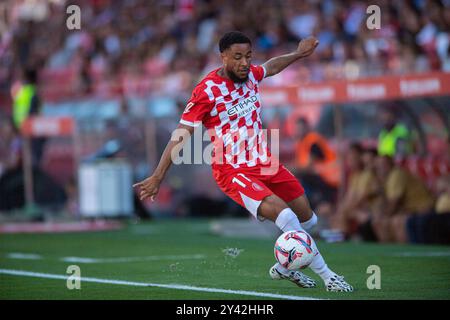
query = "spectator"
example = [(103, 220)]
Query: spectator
[(443, 201), (394, 138), (404, 195), (26, 100), (316, 164), (10, 146), (341, 220), (372, 195), (362, 196), (433, 227), (27, 103)]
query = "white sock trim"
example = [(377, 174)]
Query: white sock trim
[(309, 224)]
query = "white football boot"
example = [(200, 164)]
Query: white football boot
[(297, 277), (337, 283)]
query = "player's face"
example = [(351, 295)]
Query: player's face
[(236, 60)]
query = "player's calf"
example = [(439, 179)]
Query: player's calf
[(303, 211)]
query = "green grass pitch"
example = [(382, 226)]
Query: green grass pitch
[(184, 252)]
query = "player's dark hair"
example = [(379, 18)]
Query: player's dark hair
[(232, 37)]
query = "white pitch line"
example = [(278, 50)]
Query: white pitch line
[(24, 256), (423, 254), (132, 259), (156, 285), (33, 256)]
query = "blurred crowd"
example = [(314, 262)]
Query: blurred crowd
[(373, 196), (385, 202), (176, 40)]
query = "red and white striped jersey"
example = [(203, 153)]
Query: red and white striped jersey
[(231, 114)]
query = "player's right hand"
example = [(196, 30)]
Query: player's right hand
[(148, 188), (307, 46)]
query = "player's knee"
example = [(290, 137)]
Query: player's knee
[(271, 206)]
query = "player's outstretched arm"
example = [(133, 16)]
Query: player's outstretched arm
[(150, 186), (277, 64)]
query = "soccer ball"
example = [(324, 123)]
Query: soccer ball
[(295, 250)]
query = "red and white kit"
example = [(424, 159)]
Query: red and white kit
[(231, 114)]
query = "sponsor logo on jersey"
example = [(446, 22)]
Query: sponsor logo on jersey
[(243, 107)]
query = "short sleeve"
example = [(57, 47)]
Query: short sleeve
[(197, 107), (259, 72)]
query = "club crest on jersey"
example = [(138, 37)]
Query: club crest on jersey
[(243, 107), (250, 85), (257, 187)]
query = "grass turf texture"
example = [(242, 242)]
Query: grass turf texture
[(406, 271)]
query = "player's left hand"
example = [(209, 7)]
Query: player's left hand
[(148, 188), (307, 46)]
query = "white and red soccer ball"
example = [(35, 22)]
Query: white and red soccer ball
[(295, 250)]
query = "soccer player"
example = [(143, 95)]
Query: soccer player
[(227, 103)]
